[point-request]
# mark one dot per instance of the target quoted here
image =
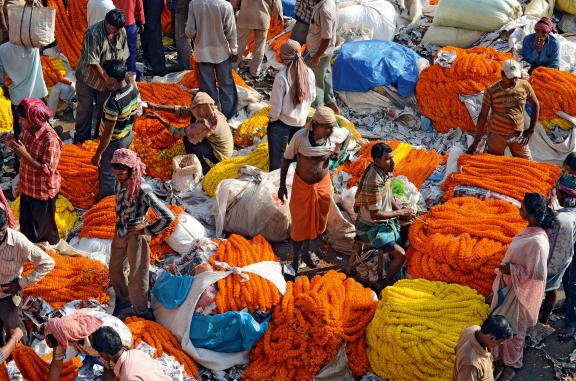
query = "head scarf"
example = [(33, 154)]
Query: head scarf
[(4, 205), (205, 99), (545, 25), (567, 185), (71, 328), (36, 111), (324, 115), (130, 159), (296, 71)]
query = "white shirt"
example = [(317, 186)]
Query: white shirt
[(282, 105), (97, 9)]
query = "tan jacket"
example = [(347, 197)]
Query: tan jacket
[(256, 14)]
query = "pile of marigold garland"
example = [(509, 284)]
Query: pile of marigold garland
[(439, 88), (235, 294), (6, 118), (100, 220), (73, 278), (510, 176), (463, 241), (416, 328), (255, 126), (71, 24), (555, 90), (315, 318), (79, 178), (33, 368)]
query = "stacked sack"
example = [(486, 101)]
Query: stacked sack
[(417, 324)]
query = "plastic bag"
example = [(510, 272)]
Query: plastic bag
[(568, 6), (348, 199), (187, 231), (481, 15), (378, 17), (187, 172), (448, 36), (540, 8)]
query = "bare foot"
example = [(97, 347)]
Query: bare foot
[(508, 374)]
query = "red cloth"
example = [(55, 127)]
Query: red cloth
[(36, 111), (8, 210), (309, 206), (44, 146), (133, 9), (130, 159), (545, 24), (71, 328)]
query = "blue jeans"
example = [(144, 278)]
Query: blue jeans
[(107, 179), (279, 135), (132, 37), (226, 97)]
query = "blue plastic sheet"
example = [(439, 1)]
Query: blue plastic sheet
[(363, 65), (171, 290), (288, 7), (227, 332)]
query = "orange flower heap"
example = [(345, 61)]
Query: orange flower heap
[(33, 368), (556, 91), (438, 90), (52, 70), (510, 176), (79, 178), (418, 165), (463, 241), (160, 338), (358, 167), (159, 248), (73, 278), (100, 220), (315, 318), (71, 23), (233, 293)]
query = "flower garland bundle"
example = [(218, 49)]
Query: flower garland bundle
[(6, 118), (235, 294), (438, 90), (164, 93), (255, 126), (228, 169), (157, 164), (71, 23), (510, 176), (73, 278), (158, 248), (79, 178), (345, 123), (155, 134), (33, 368), (4, 376), (277, 43), (557, 122), (315, 318), (65, 215), (555, 90), (463, 241), (416, 328), (160, 338), (100, 220), (53, 70), (418, 165), (166, 20)]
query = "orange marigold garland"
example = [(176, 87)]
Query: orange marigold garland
[(463, 241), (439, 88), (160, 338), (510, 176), (100, 220), (364, 159), (73, 278), (234, 294), (4, 376), (53, 71), (79, 178), (166, 20), (33, 368), (418, 165), (159, 248), (555, 90), (315, 318), (71, 23)]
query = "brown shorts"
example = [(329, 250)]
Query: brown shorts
[(497, 145)]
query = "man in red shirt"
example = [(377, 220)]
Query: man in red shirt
[(134, 13), (38, 148)]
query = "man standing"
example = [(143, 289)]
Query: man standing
[(152, 45), (96, 10), (320, 42), (212, 26), (39, 151), (312, 186), (134, 14), (378, 213), (506, 127), (103, 41), (130, 245), (116, 124), (303, 15), (474, 349), (183, 42), (254, 18), (15, 251)]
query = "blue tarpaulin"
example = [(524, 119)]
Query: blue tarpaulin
[(288, 7), (363, 65)]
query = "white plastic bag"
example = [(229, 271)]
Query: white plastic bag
[(448, 36), (187, 171), (348, 199), (481, 15), (378, 15), (187, 231), (31, 26)]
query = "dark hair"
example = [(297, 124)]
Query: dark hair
[(115, 69), (116, 18), (537, 206), (3, 217), (570, 161), (106, 340), (379, 149), (21, 110), (51, 340), (498, 326)]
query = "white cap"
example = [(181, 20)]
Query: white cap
[(512, 69)]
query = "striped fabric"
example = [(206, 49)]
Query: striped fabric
[(374, 193), (303, 10), (507, 106), (120, 108)]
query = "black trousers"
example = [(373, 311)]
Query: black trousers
[(17, 131), (203, 151), (152, 37), (37, 220)]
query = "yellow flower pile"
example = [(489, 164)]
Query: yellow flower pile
[(66, 216), (228, 169), (255, 126), (560, 122), (345, 123), (416, 327), (172, 152), (6, 119)]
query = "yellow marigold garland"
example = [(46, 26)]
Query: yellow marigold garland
[(65, 216), (255, 126), (417, 326), (6, 118)]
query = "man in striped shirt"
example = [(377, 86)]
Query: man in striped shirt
[(507, 126), (116, 125)]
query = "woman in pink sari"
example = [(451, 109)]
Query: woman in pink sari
[(521, 278)]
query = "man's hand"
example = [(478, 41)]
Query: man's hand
[(140, 29), (234, 58), (18, 148), (407, 214), (137, 229), (505, 268), (17, 334), (314, 61), (282, 193), (11, 288), (96, 159), (525, 137), (472, 149)]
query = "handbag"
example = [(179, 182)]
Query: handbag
[(31, 25)]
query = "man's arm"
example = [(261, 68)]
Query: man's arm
[(276, 98), (94, 54), (139, 11), (555, 63), (48, 163), (43, 265), (105, 139), (528, 50), (56, 364), (165, 215), (175, 132), (480, 126), (191, 22), (534, 115), (229, 23), (15, 336), (289, 156)]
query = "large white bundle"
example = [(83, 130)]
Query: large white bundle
[(448, 36), (480, 15), (379, 16)]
